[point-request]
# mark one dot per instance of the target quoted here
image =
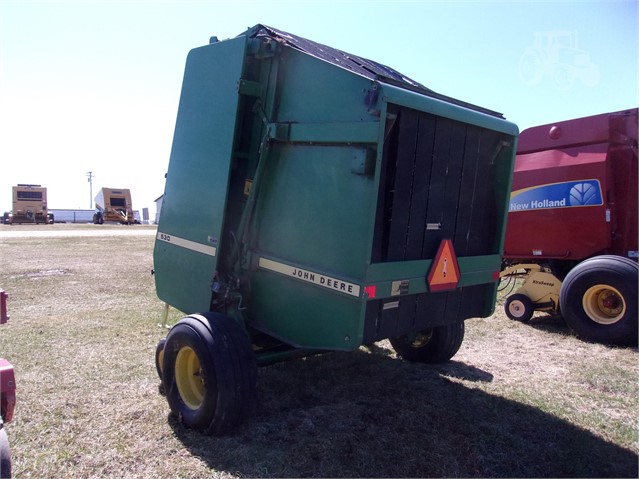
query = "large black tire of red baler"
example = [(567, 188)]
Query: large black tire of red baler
[(598, 299), (209, 373), (435, 345)]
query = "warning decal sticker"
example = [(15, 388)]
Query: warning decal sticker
[(444, 272)]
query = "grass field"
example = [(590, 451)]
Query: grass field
[(517, 400)]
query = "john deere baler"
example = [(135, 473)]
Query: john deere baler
[(315, 201)]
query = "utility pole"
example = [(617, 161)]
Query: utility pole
[(90, 177)]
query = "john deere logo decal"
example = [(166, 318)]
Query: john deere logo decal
[(557, 195)]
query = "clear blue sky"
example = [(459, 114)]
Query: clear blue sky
[(94, 85)]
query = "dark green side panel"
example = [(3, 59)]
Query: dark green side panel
[(190, 228)]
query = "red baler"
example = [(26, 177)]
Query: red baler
[(572, 225)]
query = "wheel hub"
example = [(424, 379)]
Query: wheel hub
[(422, 338), (604, 304), (611, 302), (516, 308), (189, 378)]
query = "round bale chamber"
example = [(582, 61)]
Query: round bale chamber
[(325, 200)]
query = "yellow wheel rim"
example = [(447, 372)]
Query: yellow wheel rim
[(422, 338), (189, 378), (604, 304), (161, 360)]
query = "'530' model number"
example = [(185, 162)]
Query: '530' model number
[(188, 244)]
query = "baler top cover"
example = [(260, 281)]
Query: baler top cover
[(362, 66)]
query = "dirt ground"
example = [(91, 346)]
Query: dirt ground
[(518, 400)]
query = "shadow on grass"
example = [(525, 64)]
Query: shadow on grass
[(368, 415), (550, 323), (553, 323)]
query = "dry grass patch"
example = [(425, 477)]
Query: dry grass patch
[(517, 400)]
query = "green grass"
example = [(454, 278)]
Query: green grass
[(517, 400)]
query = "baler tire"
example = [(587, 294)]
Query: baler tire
[(244, 362), (435, 345), (519, 307), (598, 300), (5, 454), (159, 356), (217, 349)]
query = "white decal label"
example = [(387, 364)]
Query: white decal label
[(188, 244), (311, 277)]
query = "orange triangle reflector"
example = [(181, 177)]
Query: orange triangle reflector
[(444, 272)]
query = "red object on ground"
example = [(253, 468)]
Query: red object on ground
[(4, 316), (7, 390)]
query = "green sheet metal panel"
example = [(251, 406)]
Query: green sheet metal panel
[(310, 316), (313, 214), (314, 209), (440, 108), (315, 91), (190, 228)]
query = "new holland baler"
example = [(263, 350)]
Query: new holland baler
[(572, 225), (318, 201)]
